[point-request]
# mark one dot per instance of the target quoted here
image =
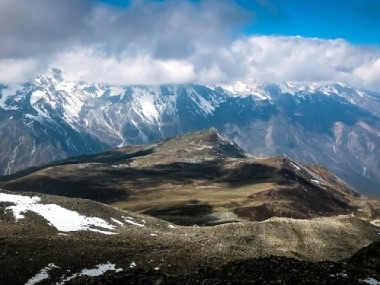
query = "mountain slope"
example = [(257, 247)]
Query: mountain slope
[(332, 125), (60, 240), (263, 220), (198, 178)]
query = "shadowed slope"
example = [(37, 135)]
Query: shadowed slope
[(198, 178), (136, 246)]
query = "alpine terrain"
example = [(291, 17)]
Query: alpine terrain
[(330, 124), (193, 209)]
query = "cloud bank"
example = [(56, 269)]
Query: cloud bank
[(174, 41)]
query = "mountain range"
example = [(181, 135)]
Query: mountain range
[(330, 124)]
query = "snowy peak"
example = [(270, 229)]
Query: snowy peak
[(326, 88), (53, 118), (266, 91), (253, 89), (311, 87)]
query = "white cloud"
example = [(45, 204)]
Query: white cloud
[(368, 74), (173, 41), (87, 65), (277, 59), (18, 70)]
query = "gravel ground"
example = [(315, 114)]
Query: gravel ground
[(161, 251)]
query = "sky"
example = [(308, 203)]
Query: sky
[(181, 41)]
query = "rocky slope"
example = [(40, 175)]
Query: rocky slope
[(55, 240), (332, 125), (194, 209), (199, 178)]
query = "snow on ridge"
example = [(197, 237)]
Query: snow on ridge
[(20, 200), (146, 102), (9, 90), (326, 87), (116, 90), (203, 104), (225, 139), (131, 221), (62, 219), (247, 89), (36, 95)]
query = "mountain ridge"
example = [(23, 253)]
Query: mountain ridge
[(333, 125), (189, 209), (198, 178)]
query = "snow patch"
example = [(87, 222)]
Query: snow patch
[(315, 181), (116, 90), (6, 92), (66, 86), (131, 221), (370, 281), (62, 219), (295, 166), (42, 275), (36, 96), (242, 89), (132, 265), (146, 100), (117, 222), (97, 271)]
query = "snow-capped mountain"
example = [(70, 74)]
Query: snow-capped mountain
[(331, 124)]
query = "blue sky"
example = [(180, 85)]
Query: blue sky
[(357, 21), (181, 41)]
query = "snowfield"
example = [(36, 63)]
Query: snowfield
[(62, 219)]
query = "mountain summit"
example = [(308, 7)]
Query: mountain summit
[(330, 124), (197, 178)]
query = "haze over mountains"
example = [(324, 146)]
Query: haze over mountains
[(329, 124)]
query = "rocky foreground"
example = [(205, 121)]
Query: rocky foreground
[(91, 243), (269, 270)]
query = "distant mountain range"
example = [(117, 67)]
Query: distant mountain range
[(330, 124)]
